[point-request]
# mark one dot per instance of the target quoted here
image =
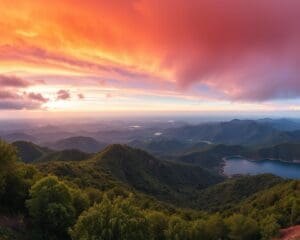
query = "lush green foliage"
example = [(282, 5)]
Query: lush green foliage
[(65, 155), (121, 165), (229, 193), (115, 196), (242, 228), (30, 153), (284, 151), (7, 161), (15, 180), (111, 220), (54, 207), (85, 144), (212, 157)]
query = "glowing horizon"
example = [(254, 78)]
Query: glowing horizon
[(146, 56)]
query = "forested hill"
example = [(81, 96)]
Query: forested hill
[(30, 153), (140, 170), (285, 151), (82, 143), (212, 157), (143, 171), (125, 193)]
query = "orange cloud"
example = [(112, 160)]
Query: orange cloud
[(242, 50)]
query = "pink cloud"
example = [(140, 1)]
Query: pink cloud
[(108, 95), (245, 50), (80, 96), (19, 105), (37, 97), (63, 95), (13, 97), (13, 81), (6, 95), (18, 101)]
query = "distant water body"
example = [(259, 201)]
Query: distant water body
[(243, 166)]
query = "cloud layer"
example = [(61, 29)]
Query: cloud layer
[(63, 95), (245, 51), (14, 96)]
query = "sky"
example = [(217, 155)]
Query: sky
[(93, 56)]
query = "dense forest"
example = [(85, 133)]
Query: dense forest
[(125, 193)]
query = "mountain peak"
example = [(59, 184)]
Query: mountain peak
[(82, 143), (121, 152)]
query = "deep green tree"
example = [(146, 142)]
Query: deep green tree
[(15, 180), (178, 229), (242, 227), (269, 227), (51, 208), (158, 223), (81, 201), (197, 230), (111, 220), (295, 211), (17, 187), (8, 159), (215, 227)]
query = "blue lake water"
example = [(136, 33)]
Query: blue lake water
[(243, 166)]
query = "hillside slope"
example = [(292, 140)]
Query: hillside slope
[(235, 132), (148, 174), (139, 170), (30, 152), (65, 155), (286, 151), (227, 194), (84, 144), (211, 157)]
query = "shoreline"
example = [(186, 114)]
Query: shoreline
[(238, 157), (228, 176)]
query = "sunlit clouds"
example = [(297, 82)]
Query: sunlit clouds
[(142, 55)]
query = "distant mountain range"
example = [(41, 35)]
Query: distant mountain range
[(163, 140), (32, 153), (204, 145), (202, 154), (85, 144), (286, 152), (18, 136), (235, 132), (248, 133), (212, 158)]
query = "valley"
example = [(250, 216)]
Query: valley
[(193, 183)]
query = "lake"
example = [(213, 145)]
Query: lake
[(243, 166)]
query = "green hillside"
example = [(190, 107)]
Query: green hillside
[(128, 194), (85, 144), (138, 169), (65, 155), (30, 152), (212, 157), (227, 194), (146, 173), (285, 151)]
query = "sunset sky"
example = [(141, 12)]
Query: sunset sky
[(149, 55)]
